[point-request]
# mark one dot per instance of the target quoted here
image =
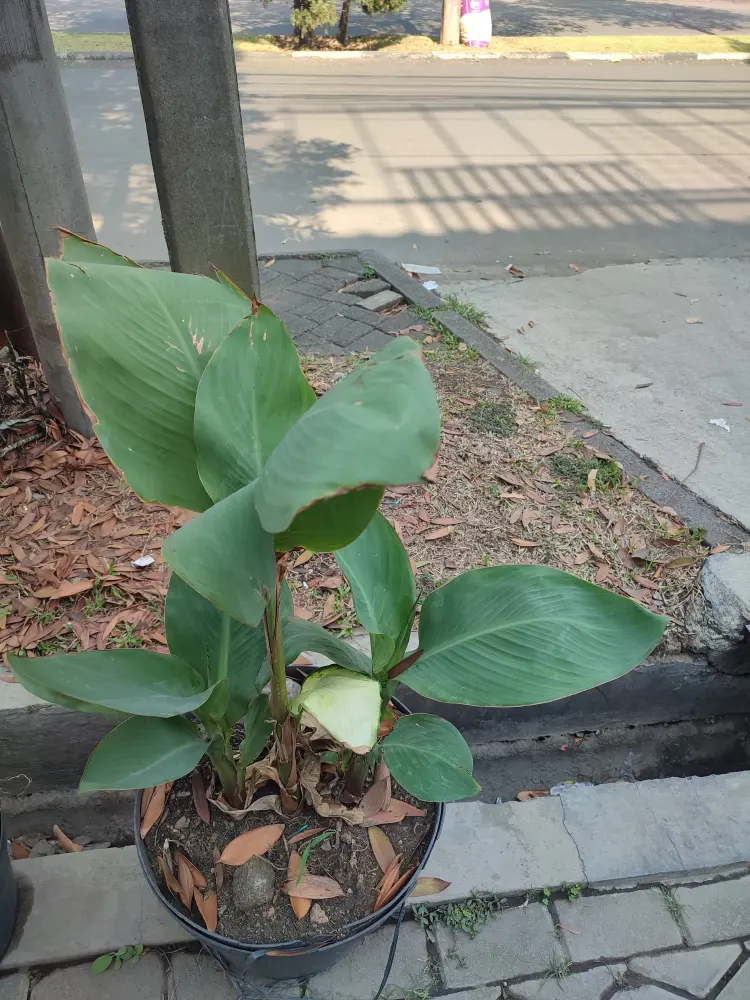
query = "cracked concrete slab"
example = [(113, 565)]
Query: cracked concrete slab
[(696, 972)]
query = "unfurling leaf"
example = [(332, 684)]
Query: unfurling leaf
[(381, 848), (313, 887), (250, 844), (346, 704), (427, 886)]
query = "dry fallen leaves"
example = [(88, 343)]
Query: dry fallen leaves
[(208, 907), (185, 880), (428, 886), (300, 904), (250, 844), (396, 812), (440, 533), (299, 838), (313, 887), (65, 842), (532, 793), (154, 810), (524, 543), (199, 798), (381, 848)]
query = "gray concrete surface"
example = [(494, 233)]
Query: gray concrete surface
[(697, 972), (717, 911), (534, 17), (143, 979), (599, 928), (618, 339), (461, 163)]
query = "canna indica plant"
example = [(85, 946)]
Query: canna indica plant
[(200, 400)]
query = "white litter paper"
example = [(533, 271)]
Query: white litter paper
[(431, 286), (720, 422), (143, 561), (421, 268)]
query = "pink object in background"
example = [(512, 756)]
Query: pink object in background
[(476, 23)]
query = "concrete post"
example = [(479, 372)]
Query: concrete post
[(41, 185), (450, 22), (188, 81)]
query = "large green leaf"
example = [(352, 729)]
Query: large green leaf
[(379, 425), (202, 635), (227, 557), (78, 250), (430, 758), (380, 575), (525, 635), (144, 752), (344, 703), (251, 392), (36, 687), (258, 729), (137, 342), (133, 681), (301, 636), (330, 524)]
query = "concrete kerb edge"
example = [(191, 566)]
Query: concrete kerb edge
[(613, 57), (691, 508)]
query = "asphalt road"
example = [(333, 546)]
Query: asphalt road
[(464, 163), (510, 17)]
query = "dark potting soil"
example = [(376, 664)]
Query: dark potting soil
[(349, 861)]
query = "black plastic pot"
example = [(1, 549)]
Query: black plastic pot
[(8, 892), (287, 959)]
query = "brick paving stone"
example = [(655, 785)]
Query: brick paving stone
[(372, 341), (357, 976), (349, 269), (324, 282), (617, 926), (341, 298), (298, 325), (287, 299), (696, 972), (15, 986), (325, 311), (644, 993), (309, 287), (310, 344), (738, 988), (519, 942), (591, 985), (362, 316), (718, 911), (383, 300), (392, 324), (344, 331), (367, 286), (142, 979), (296, 267)]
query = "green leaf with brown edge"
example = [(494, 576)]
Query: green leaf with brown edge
[(137, 341), (430, 758), (143, 752), (78, 250), (379, 425), (379, 572), (199, 633), (132, 681), (251, 392), (227, 557), (331, 524), (525, 635)]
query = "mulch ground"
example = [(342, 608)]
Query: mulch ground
[(512, 486)]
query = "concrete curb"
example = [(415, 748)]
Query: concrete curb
[(76, 906), (612, 57), (695, 511)]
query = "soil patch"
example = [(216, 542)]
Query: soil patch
[(348, 859)]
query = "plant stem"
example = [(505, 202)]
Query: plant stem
[(275, 647), (227, 772)]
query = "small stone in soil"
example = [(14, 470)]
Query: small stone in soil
[(43, 850), (83, 841), (253, 884), (318, 915), (182, 823)]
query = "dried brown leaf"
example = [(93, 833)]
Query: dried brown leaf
[(303, 557), (719, 548), (374, 799), (313, 887), (396, 812), (185, 879), (581, 558), (250, 844), (385, 898), (525, 543), (440, 533), (199, 878), (155, 808), (381, 848), (199, 797), (428, 886), (19, 851), (65, 842), (299, 838), (172, 884), (532, 793), (208, 907), (300, 904)]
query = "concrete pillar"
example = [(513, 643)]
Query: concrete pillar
[(188, 81), (41, 185)]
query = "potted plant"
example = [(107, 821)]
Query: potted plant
[(200, 400), (8, 891)]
